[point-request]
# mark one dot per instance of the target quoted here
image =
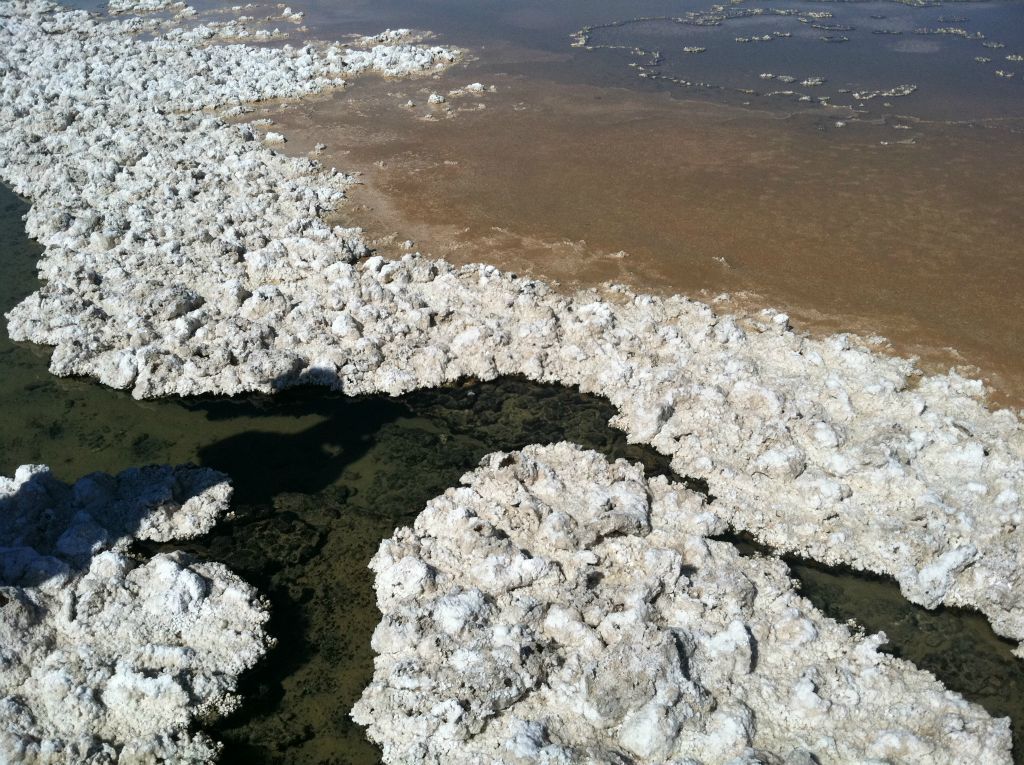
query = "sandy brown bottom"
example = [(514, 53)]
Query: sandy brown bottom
[(915, 235)]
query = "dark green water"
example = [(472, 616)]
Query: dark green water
[(321, 479), (369, 469)]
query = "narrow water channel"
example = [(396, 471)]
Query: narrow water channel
[(320, 479)]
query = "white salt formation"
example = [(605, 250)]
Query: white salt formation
[(561, 609), (105, 658), (142, 6), (184, 256)]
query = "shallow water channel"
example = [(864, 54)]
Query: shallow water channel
[(320, 479)]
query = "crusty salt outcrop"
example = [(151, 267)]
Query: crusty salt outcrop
[(105, 657), (142, 6), (183, 256), (557, 608)]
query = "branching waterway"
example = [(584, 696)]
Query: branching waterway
[(321, 479)]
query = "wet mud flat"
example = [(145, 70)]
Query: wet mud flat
[(320, 479)]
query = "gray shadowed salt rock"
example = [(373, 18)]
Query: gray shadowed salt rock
[(104, 657), (182, 256), (560, 609)]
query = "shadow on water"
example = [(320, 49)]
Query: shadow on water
[(351, 482), (35, 519), (313, 506), (320, 479), (264, 463)]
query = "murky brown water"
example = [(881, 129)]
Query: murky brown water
[(580, 183), (922, 243), (320, 479)]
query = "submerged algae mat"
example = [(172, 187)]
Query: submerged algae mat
[(320, 479), (308, 552), (351, 481)]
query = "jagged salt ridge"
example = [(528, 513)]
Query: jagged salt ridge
[(561, 609), (141, 6), (104, 658), (182, 257)]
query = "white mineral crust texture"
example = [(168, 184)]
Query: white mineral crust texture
[(561, 609), (105, 658), (184, 256)]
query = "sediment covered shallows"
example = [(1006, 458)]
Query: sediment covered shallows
[(182, 256), (559, 609), (105, 657)]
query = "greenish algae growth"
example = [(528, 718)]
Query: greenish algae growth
[(350, 483), (321, 479)]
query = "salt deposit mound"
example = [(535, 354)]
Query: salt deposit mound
[(104, 657), (184, 256), (561, 609)]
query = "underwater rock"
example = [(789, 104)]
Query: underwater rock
[(105, 657), (182, 256), (559, 608)]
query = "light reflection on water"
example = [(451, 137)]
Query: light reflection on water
[(862, 52), (853, 45)]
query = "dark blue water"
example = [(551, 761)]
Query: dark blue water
[(864, 48), (871, 46), (885, 45)]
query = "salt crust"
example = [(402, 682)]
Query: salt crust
[(561, 609), (183, 256), (105, 658), (141, 6)]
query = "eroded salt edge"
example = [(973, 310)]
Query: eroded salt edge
[(105, 658), (182, 257), (559, 609)]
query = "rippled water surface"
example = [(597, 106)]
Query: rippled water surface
[(940, 62), (854, 47)]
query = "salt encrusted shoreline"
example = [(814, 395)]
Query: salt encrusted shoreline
[(182, 256), (105, 658), (559, 609)]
